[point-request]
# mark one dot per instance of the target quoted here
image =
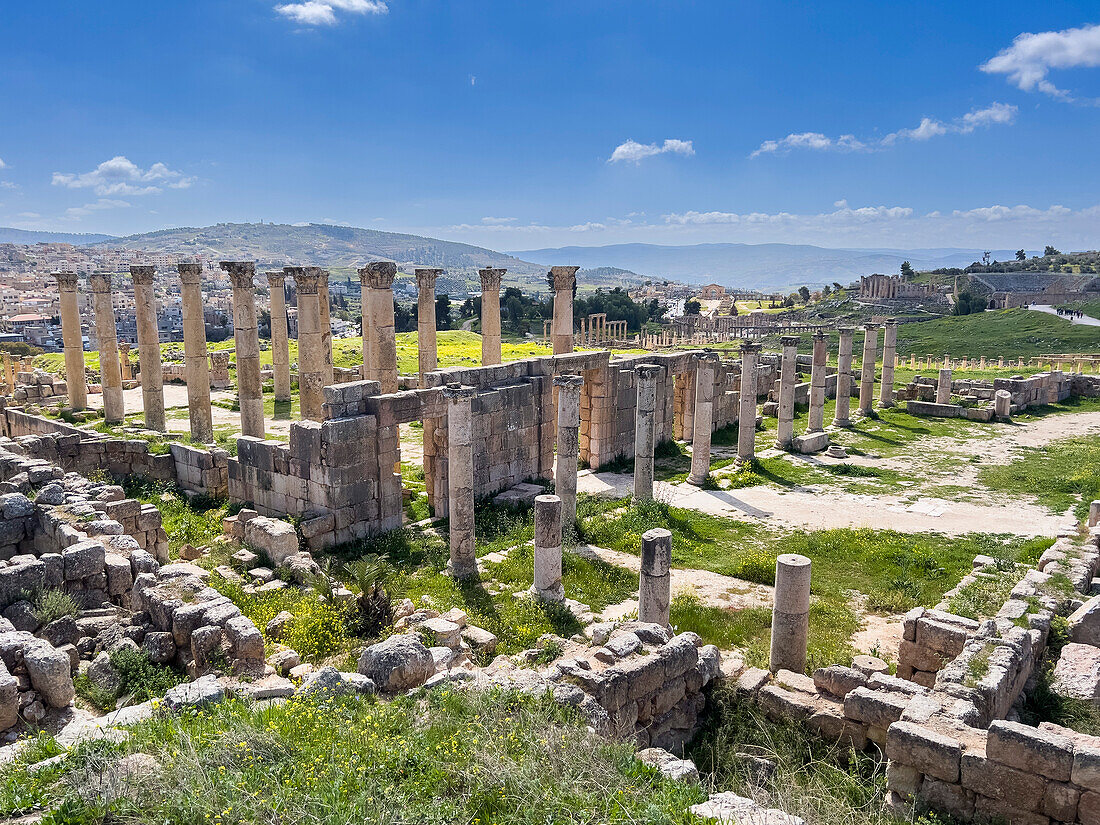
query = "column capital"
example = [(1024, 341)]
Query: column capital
[(820, 335), (190, 273), (491, 279), (101, 282), (142, 274), (563, 277), (789, 340), (891, 322), (66, 281), (220, 359), (275, 278), (647, 371), (425, 278), (846, 330), (458, 393), (124, 347), (568, 381), (750, 347), (305, 278), (870, 327), (241, 273), (378, 275)]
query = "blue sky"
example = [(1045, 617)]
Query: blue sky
[(519, 124)]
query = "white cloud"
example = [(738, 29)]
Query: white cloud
[(497, 221), (29, 215), (75, 213), (2, 164), (995, 114), (1028, 61), (323, 12), (121, 176), (634, 152)]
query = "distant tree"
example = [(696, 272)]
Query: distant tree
[(469, 309), (692, 307), (263, 323), (443, 312), (837, 287), (655, 311), (789, 300), (826, 291), (1049, 250), (906, 270), (404, 318), (1021, 255), (968, 304), (804, 294)]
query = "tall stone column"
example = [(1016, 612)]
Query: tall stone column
[(311, 361), (790, 613), (460, 480), (110, 371), (815, 419), (377, 278), (655, 577), (426, 348), (246, 338), (547, 584), (148, 335), (565, 465), (889, 354), (746, 417), (280, 343), (867, 369), (943, 387), (73, 340), (490, 315), (329, 373), (703, 426), (646, 376), (564, 279), (196, 359), (844, 378), (124, 360), (788, 378)]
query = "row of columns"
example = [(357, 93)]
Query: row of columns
[(596, 329)]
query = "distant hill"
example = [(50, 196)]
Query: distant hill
[(277, 245), (27, 236), (778, 267)]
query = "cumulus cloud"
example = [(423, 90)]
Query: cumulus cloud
[(497, 221), (634, 152), (995, 114), (1028, 61), (121, 176), (2, 164), (324, 12)]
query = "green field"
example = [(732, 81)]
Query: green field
[(1013, 333)]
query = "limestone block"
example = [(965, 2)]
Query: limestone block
[(1084, 623), (838, 680), (1030, 749), (83, 559), (929, 752), (1077, 672), (872, 707), (275, 537)]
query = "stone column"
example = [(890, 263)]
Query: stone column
[(867, 369), (655, 577), (110, 371), (547, 584), (280, 345), (564, 279), (943, 387), (490, 315), (889, 354), (426, 348), (197, 362), (9, 373), (328, 372), (246, 338), (815, 419), (565, 465), (790, 613), (746, 417), (73, 340), (460, 480), (377, 279), (703, 425), (844, 378), (1002, 404), (788, 378), (1094, 514), (148, 335), (124, 360), (311, 361), (646, 376)]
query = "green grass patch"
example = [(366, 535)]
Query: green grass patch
[(196, 521), (446, 756), (1061, 476)]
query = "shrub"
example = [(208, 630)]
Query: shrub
[(49, 605)]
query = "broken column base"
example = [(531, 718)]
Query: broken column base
[(810, 443)]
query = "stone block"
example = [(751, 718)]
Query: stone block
[(873, 707), (992, 779), (1030, 749), (929, 752)]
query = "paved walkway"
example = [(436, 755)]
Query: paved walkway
[(1084, 320)]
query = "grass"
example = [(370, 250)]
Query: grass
[(1015, 333), (196, 521), (443, 756), (824, 783), (1042, 704), (1063, 475), (982, 598)]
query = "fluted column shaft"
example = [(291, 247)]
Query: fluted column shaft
[(196, 358), (490, 317), (280, 343), (246, 338), (148, 335), (110, 371)]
